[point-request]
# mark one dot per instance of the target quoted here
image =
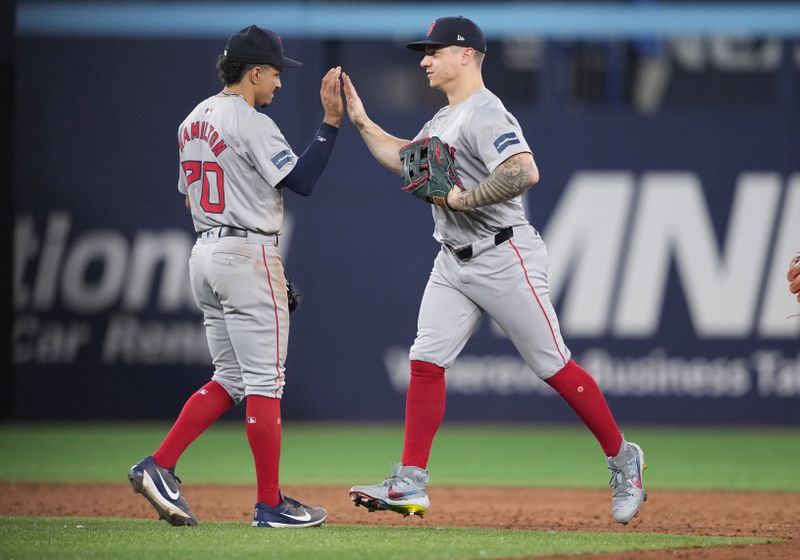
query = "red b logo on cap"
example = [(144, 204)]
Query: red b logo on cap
[(430, 29)]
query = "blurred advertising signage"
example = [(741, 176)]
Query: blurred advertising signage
[(614, 238)]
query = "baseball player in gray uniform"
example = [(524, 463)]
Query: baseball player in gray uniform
[(234, 167), (492, 261)]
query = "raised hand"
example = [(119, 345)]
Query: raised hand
[(330, 93), (383, 146), (355, 108)]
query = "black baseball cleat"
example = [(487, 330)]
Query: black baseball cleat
[(288, 514), (162, 489)]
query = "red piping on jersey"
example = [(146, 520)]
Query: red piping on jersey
[(277, 325), (527, 278)]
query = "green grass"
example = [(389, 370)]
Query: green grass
[(68, 538), (341, 454), (502, 455)]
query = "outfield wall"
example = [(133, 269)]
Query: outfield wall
[(669, 235)]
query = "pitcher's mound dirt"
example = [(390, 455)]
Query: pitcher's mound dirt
[(775, 515)]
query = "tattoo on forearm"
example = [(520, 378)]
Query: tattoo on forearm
[(510, 179)]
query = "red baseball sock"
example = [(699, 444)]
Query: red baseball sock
[(425, 403), (581, 392), (264, 435), (200, 411)]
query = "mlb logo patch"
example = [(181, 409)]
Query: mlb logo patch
[(251, 419), (203, 391), (282, 158), (505, 140)]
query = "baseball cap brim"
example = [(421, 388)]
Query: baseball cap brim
[(284, 62), (290, 63), (420, 45)]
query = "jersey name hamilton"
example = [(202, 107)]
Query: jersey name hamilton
[(231, 160), (202, 130), (484, 135)]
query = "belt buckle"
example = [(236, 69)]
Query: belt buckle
[(463, 252)]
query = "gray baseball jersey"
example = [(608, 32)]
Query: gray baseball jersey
[(232, 158), (507, 281), (484, 134), (235, 157)]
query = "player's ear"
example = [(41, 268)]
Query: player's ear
[(467, 56)]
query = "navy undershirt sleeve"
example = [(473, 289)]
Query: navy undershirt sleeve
[(310, 165)]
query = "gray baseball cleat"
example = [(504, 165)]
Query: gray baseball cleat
[(405, 492), (161, 488), (626, 482)]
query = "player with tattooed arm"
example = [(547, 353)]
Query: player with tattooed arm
[(492, 261)]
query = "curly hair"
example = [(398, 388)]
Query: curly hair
[(231, 70)]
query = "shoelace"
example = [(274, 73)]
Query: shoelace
[(392, 480), (172, 472), (619, 483), (292, 502), (397, 480)]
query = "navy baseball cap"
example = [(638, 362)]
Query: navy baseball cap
[(258, 46), (458, 31)]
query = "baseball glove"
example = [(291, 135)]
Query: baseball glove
[(793, 276), (429, 170), (294, 296)]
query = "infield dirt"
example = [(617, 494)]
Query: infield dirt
[(771, 515)]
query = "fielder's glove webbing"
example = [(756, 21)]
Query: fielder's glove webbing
[(429, 170)]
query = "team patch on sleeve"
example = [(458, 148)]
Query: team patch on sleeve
[(505, 140), (282, 158)]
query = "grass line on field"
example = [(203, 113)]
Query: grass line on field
[(345, 454), (68, 538)]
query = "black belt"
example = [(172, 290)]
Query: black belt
[(465, 253), (227, 231)]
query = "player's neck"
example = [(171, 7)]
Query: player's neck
[(464, 89), (238, 89)]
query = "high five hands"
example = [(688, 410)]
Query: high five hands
[(330, 93)]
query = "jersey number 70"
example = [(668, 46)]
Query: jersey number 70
[(196, 169)]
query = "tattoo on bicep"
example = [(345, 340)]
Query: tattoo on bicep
[(510, 179)]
